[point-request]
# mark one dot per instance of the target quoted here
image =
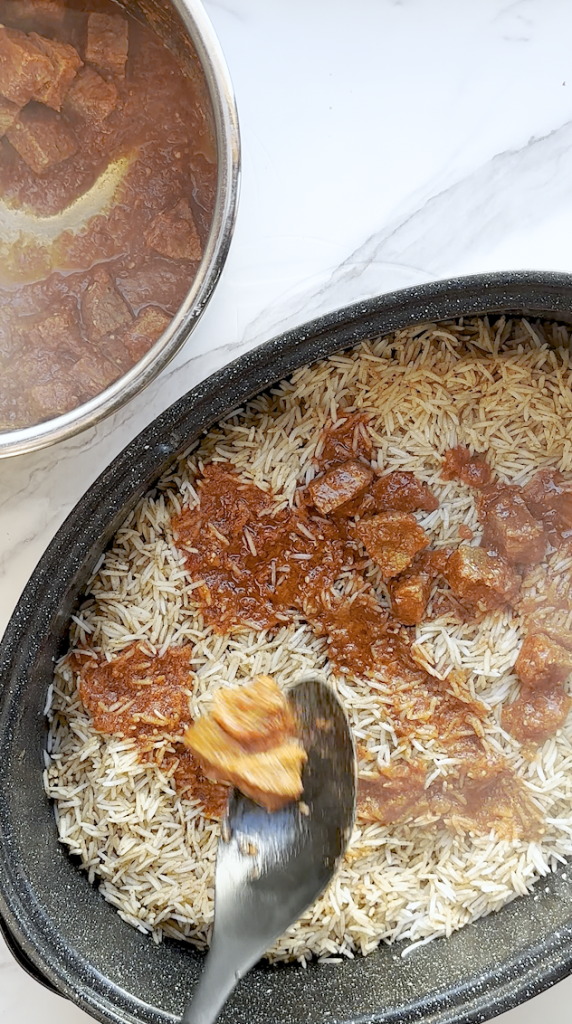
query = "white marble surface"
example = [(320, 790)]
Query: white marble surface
[(385, 142)]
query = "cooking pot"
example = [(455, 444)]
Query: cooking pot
[(185, 28), (62, 930)]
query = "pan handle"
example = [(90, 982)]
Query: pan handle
[(21, 958)]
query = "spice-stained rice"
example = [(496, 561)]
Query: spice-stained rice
[(503, 389)]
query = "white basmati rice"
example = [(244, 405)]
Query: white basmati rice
[(504, 389)]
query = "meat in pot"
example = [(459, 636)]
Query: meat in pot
[(107, 186)]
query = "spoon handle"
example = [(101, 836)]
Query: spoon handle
[(217, 981), (271, 866)]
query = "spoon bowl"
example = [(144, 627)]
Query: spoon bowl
[(271, 866)]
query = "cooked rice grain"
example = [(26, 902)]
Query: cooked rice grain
[(502, 388)]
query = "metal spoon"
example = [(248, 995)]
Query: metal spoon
[(272, 866)]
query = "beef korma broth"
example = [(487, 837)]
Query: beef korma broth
[(107, 186)]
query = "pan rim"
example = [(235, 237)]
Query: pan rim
[(133, 472)]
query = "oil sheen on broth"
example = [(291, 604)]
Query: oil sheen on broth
[(107, 185)]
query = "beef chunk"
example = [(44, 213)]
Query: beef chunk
[(249, 742), (509, 527), (35, 68), (47, 13), (541, 662), (256, 715), (24, 69), (54, 397), (480, 579), (111, 347), (90, 96), (459, 464), (272, 778), (173, 233), (65, 61), (8, 113), (347, 438), (92, 374), (542, 706), (403, 492), (107, 42), (392, 539), (145, 330), (57, 331), (549, 498), (155, 277), (339, 484), (431, 563), (409, 598), (411, 591), (103, 310), (42, 138), (38, 367), (536, 715)]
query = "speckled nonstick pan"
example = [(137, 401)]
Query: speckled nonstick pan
[(61, 929)]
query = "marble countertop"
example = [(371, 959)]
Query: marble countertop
[(385, 143)]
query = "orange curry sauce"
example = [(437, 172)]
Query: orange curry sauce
[(257, 568), (146, 699)]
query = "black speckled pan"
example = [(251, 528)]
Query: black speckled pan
[(59, 927)]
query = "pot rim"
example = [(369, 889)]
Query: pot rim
[(528, 970), (219, 84)]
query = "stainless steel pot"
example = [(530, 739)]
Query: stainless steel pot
[(186, 29), (62, 930)]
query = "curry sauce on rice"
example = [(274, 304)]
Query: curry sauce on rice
[(399, 518)]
